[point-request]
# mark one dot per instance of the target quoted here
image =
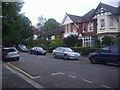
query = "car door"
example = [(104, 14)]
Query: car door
[(114, 54), (60, 52), (57, 52), (103, 54)]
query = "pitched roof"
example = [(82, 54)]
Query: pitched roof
[(53, 32), (111, 9), (75, 18), (88, 16), (81, 19)]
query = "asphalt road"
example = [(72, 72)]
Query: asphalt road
[(47, 72)]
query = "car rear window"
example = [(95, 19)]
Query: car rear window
[(9, 50)]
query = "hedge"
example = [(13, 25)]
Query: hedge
[(81, 50), (84, 50)]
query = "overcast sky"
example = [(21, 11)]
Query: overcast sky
[(56, 9)]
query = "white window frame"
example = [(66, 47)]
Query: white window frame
[(102, 24), (74, 28), (90, 27), (111, 23), (67, 28), (83, 28)]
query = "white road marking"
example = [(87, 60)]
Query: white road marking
[(72, 76), (87, 81), (105, 86), (36, 77), (57, 73)]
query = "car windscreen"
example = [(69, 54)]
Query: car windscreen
[(68, 50), (39, 48), (9, 50)]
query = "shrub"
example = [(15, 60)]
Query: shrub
[(84, 50)]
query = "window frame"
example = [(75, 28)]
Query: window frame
[(90, 27), (102, 23)]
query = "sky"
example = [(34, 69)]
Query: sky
[(56, 9)]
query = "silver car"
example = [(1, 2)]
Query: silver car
[(65, 53), (10, 53)]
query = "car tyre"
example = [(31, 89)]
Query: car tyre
[(54, 55), (17, 58), (65, 57), (93, 61), (118, 63)]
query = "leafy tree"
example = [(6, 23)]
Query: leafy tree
[(97, 43), (107, 41), (16, 28), (51, 24), (71, 41), (56, 43)]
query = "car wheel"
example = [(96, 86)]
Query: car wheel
[(65, 57), (119, 63), (93, 61), (17, 58), (29, 52), (54, 55), (35, 53)]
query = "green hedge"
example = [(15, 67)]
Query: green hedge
[(84, 50), (81, 50)]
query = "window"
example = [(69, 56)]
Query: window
[(104, 50), (102, 23), (83, 28), (114, 49), (111, 21), (90, 27), (74, 28), (67, 28)]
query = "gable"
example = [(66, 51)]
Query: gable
[(101, 11), (104, 9), (66, 20)]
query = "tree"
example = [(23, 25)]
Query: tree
[(71, 41), (16, 28), (56, 43), (51, 24)]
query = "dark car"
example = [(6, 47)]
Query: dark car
[(10, 53), (22, 48), (37, 51), (66, 53), (109, 54)]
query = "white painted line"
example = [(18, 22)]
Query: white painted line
[(105, 86), (57, 73), (87, 81), (72, 76), (33, 83), (36, 77)]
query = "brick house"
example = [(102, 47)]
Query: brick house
[(84, 27), (97, 23)]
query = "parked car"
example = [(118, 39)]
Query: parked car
[(22, 48), (109, 54), (65, 53), (10, 53), (37, 51)]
